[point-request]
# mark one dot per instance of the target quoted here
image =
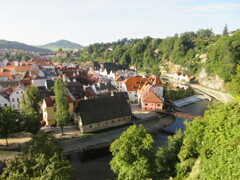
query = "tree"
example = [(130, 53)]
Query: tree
[(6, 55), (26, 57), (220, 151), (43, 143), (61, 115), (8, 123), (133, 155), (167, 156), (235, 84), (29, 109), (59, 49), (40, 161), (225, 30)]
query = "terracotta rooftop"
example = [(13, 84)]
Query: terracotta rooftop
[(155, 80), (151, 97), (51, 101), (133, 83)]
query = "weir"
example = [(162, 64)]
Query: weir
[(189, 100)]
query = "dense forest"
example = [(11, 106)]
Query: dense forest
[(208, 149), (223, 52)]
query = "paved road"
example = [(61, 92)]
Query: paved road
[(223, 97)]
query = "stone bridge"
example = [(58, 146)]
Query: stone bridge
[(223, 97)]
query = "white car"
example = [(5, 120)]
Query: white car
[(47, 129)]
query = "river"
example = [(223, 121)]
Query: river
[(95, 166)]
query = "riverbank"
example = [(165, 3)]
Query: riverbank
[(102, 139), (73, 140)]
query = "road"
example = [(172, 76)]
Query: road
[(223, 97)]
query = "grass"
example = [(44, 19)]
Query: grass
[(10, 152)]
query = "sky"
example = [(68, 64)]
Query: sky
[(85, 22)]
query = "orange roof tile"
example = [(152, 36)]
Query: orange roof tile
[(151, 97), (133, 83), (155, 80), (51, 101), (23, 68), (6, 74), (144, 87)]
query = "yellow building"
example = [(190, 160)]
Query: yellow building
[(48, 110)]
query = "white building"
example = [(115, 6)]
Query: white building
[(4, 102), (15, 98)]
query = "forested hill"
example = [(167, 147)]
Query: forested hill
[(223, 52), (20, 46), (64, 44)]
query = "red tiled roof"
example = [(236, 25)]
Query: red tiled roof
[(155, 80), (151, 97), (6, 92), (43, 62), (6, 74), (133, 83), (144, 87), (23, 68), (51, 101)]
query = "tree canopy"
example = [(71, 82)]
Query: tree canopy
[(8, 122), (43, 160), (30, 108), (133, 155), (61, 115)]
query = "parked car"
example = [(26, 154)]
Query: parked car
[(47, 129)]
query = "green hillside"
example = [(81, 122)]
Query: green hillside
[(64, 44), (20, 46)]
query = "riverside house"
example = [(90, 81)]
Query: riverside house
[(48, 110), (102, 113)]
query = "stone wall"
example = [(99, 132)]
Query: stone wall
[(105, 124)]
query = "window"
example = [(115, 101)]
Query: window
[(119, 120), (12, 99), (54, 109), (17, 92), (128, 117), (158, 104), (17, 99), (98, 125), (146, 104), (106, 122), (13, 106), (5, 105), (112, 121), (90, 126), (123, 118)]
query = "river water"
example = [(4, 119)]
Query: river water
[(96, 166)]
